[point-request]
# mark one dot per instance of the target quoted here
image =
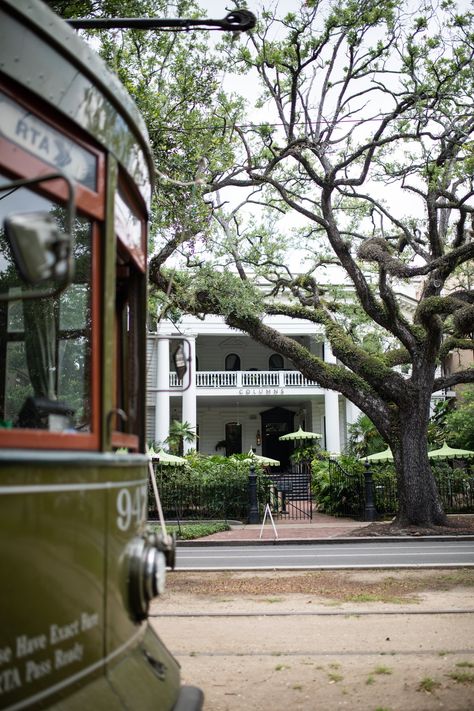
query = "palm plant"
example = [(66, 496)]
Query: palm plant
[(364, 438), (179, 433)]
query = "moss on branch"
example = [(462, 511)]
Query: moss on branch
[(396, 356), (440, 307)]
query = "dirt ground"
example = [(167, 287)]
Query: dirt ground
[(358, 640)]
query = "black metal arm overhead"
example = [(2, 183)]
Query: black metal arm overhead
[(236, 21)]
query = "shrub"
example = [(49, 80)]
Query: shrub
[(190, 531)]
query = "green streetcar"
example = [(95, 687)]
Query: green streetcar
[(78, 567)]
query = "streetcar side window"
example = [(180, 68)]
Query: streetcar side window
[(49, 327), (45, 344), (129, 360)]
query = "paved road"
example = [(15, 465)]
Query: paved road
[(377, 554)]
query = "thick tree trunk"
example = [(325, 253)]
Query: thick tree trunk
[(418, 500)]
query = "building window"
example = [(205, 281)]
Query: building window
[(232, 362), (275, 362)]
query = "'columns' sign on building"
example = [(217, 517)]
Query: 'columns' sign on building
[(262, 391)]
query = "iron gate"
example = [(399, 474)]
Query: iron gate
[(290, 495)]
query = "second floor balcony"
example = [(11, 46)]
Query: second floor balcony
[(248, 379)]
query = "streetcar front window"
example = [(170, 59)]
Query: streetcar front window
[(45, 343)]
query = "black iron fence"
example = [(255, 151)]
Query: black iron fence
[(295, 495), (192, 502), (340, 492), (457, 493), (345, 491)]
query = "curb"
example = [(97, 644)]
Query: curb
[(203, 543)]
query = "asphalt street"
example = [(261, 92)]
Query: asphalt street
[(377, 554)]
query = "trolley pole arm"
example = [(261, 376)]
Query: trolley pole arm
[(236, 21)]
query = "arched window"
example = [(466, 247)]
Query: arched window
[(232, 362), (275, 362)]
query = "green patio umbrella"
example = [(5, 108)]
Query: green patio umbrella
[(265, 461), (300, 434), (165, 459), (385, 456), (446, 452)]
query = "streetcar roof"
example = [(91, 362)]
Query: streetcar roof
[(66, 85)]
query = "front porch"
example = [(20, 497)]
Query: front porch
[(230, 381)]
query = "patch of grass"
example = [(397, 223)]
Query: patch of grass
[(273, 599), (281, 667), (469, 665), (382, 670), (363, 597), (381, 597), (442, 653), (428, 684), (462, 677), (370, 680), (379, 708), (334, 677), (334, 665), (297, 687), (462, 577), (190, 531)]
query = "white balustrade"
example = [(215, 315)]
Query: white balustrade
[(246, 379), (175, 382)]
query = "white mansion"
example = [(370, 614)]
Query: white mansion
[(238, 395)]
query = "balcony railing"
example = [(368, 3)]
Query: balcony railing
[(247, 379)]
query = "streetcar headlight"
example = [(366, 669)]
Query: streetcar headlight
[(147, 559)]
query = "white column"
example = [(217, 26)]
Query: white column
[(189, 395), (331, 414), (162, 401), (331, 410), (352, 413)]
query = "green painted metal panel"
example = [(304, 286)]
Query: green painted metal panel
[(53, 568), (63, 592)]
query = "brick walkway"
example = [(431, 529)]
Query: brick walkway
[(319, 527)]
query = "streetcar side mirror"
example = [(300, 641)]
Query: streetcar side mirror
[(40, 249), (179, 360)]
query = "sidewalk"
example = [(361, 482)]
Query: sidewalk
[(321, 526)]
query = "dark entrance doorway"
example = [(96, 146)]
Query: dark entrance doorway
[(233, 438), (277, 422)]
